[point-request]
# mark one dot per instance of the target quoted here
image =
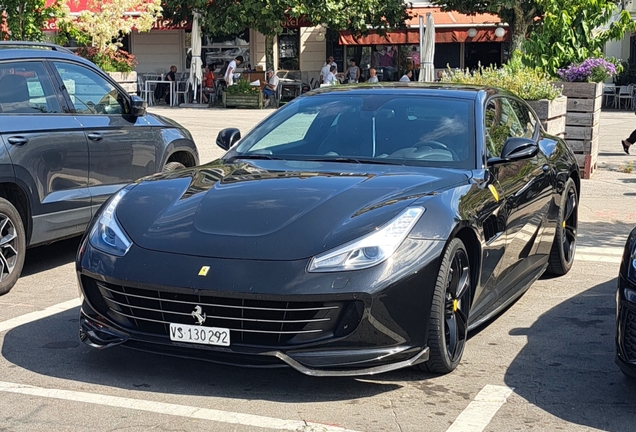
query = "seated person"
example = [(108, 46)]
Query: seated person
[(208, 83), (272, 84), (373, 78), (162, 91), (407, 76)]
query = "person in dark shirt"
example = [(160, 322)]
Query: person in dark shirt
[(162, 91)]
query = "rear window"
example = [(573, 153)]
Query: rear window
[(25, 88), (413, 130)]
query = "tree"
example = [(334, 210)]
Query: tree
[(267, 16), (23, 20), (107, 21), (519, 14), (572, 31)]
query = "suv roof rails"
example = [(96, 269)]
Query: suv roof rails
[(34, 45)]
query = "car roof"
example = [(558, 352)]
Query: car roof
[(460, 91), (34, 50)]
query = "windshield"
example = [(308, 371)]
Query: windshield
[(387, 128)]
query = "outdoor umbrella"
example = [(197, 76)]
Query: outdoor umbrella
[(196, 63), (427, 68)]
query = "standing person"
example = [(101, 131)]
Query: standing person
[(407, 76), (629, 141), (331, 76), (372, 76), (231, 70), (208, 83), (272, 83), (352, 74), (327, 68)]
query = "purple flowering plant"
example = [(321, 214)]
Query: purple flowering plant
[(591, 70)]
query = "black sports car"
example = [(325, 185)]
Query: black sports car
[(356, 230), (626, 309)]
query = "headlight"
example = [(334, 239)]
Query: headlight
[(106, 234), (369, 250)]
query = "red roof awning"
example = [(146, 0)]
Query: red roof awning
[(78, 6), (449, 27), (412, 37)]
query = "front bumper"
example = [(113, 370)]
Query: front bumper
[(389, 331)]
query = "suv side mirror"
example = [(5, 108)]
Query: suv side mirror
[(137, 106), (228, 137), (514, 149)]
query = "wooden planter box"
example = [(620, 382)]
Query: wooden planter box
[(551, 114), (128, 80), (243, 101), (582, 122)]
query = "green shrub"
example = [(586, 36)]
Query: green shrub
[(242, 87), (527, 83)]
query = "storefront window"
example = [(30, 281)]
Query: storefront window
[(484, 53), (385, 61), (218, 51), (288, 49), (447, 55)]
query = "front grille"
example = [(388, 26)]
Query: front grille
[(629, 340), (251, 321)]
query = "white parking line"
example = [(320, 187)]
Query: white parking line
[(34, 316), (481, 410), (171, 409)]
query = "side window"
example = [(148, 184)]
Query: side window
[(501, 123), (525, 117), (89, 92), (25, 87)]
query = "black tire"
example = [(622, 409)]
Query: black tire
[(564, 244), (12, 246), (448, 321), (173, 166)]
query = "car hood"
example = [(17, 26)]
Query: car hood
[(271, 210)]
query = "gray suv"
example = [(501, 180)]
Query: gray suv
[(69, 138)]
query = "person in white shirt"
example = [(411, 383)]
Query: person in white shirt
[(327, 68), (231, 70), (331, 76), (372, 76), (272, 83), (407, 76)]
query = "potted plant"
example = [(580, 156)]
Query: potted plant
[(584, 80), (244, 95)]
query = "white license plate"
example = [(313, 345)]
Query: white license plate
[(200, 334)]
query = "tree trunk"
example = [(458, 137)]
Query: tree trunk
[(269, 51), (519, 29)]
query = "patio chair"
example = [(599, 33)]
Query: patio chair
[(182, 89), (625, 93), (609, 92)]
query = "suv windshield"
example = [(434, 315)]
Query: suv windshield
[(380, 128)]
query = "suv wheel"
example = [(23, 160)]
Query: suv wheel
[(173, 166), (12, 246)]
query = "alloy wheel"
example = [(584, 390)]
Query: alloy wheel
[(8, 246), (456, 305), (569, 224)]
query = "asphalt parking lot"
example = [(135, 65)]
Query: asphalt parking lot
[(546, 363)]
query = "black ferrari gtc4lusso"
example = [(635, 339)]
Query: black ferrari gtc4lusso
[(354, 231)]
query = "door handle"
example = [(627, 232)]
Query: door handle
[(18, 140), (95, 136)]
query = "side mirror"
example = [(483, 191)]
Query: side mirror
[(228, 137), (137, 106), (515, 149)]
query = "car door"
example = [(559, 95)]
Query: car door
[(526, 188), (121, 146), (47, 147)]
